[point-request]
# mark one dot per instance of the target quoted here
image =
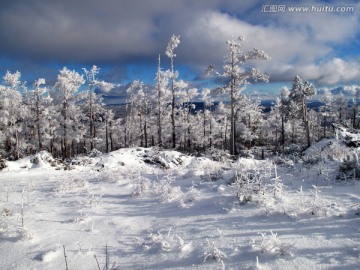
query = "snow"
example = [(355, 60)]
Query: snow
[(183, 215)]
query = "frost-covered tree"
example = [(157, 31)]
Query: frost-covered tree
[(161, 98), (326, 109), (185, 118), (300, 92), (13, 114), (110, 128), (208, 100), (137, 119), (172, 45), (354, 109), (237, 71), (67, 98), (93, 104), (39, 103), (221, 115), (340, 107)]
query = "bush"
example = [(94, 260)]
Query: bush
[(43, 157), (166, 191), (94, 153), (219, 155), (271, 244), (211, 175), (3, 163), (214, 253), (141, 186), (350, 167)]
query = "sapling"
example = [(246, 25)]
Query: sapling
[(318, 205), (301, 199)]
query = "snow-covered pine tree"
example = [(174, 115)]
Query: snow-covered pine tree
[(13, 114), (38, 101), (93, 103), (222, 116), (137, 118), (67, 98), (173, 43), (326, 110), (299, 94), (238, 73), (208, 100), (185, 116), (160, 100)]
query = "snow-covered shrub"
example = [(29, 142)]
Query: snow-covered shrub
[(43, 158), (318, 206), (81, 217), (245, 187), (276, 184), (214, 253), (219, 155), (94, 153), (191, 194), (141, 186), (211, 174), (350, 167), (288, 161), (165, 242), (249, 179), (166, 191), (271, 244)]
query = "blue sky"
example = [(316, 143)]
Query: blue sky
[(125, 37)]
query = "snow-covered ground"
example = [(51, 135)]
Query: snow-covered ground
[(144, 209)]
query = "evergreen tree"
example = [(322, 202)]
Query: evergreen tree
[(237, 72), (299, 94), (173, 43), (67, 98), (13, 114)]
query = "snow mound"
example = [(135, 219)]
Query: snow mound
[(167, 159), (140, 157), (43, 159), (327, 149)]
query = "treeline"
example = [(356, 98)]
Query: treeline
[(68, 122)]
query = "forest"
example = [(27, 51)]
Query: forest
[(70, 119)]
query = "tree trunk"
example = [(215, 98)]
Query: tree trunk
[(38, 122), (173, 114), (91, 119), (106, 134), (232, 117), (65, 151), (282, 131), (145, 133)]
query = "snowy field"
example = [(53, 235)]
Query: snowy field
[(144, 209)]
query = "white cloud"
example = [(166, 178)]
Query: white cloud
[(113, 31)]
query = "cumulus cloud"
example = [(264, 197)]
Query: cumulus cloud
[(113, 32)]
